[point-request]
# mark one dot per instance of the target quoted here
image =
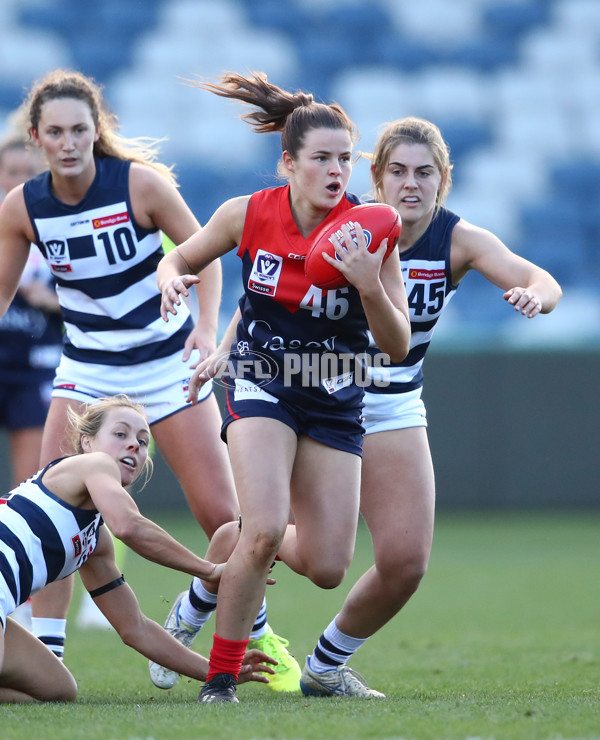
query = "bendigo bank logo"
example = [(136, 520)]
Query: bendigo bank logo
[(420, 273), (117, 218)]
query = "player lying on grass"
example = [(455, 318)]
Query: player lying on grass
[(51, 526)]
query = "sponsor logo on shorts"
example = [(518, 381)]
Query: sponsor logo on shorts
[(104, 221), (77, 547), (66, 386)]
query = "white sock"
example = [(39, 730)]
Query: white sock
[(52, 632), (198, 613), (334, 648), (261, 625)]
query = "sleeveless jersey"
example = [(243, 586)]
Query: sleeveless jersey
[(308, 337), (42, 539), (429, 289), (30, 338), (105, 264)]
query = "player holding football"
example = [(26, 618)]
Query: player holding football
[(411, 171), (98, 215), (52, 525), (289, 444)]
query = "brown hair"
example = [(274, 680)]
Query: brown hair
[(63, 83), (292, 114), (411, 131), (90, 419)]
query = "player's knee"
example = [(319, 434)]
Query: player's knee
[(223, 542), (265, 544), (64, 690), (405, 573), (326, 576)]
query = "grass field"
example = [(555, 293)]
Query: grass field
[(501, 642)]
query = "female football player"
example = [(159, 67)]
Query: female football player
[(53, 524), (296, 440)]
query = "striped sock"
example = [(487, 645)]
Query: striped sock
[(195, 608), (199, 604), (261, 626), (52, 632), (333, 649)]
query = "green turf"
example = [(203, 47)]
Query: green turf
[(502, 642)]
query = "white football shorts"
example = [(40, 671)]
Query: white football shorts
[(384, 412), (160, 385)]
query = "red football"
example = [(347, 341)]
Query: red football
[(378, 221)]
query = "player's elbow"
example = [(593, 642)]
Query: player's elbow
[(398, 349), (128, 529), (131, 632)]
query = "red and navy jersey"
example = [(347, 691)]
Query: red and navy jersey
[(308, 336)]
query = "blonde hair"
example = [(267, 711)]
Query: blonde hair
[(15, 142), (92, 416), (63, 83), (411, 131)]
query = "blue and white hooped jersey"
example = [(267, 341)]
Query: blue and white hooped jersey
[(42, 539), (105, 264), (429, 288)]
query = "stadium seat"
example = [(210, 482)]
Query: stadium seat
[(513, 84), (19, 65), (513, 20)]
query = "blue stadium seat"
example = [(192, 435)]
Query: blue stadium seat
[(486, 54), (462, 136), (405, 53), (287, 17), (513, 20), (578, 178), (554, 238)]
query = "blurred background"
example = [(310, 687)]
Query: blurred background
[(514, 86)]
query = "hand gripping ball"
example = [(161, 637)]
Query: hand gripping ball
[(378, 221)]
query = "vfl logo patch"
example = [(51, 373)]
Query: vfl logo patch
[(118, 218), (58, 255), (265, 274)]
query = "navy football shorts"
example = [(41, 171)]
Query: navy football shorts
[(337, 428)]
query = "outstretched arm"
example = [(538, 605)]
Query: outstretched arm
[(16, 236), (120, 606), (528, 288), (102, 480), (179, 269), (208, 368)]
